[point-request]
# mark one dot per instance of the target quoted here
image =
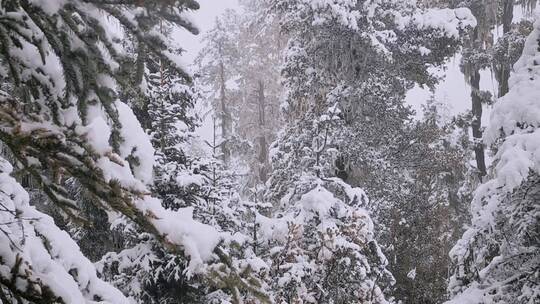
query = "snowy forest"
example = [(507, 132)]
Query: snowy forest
[(304, 154)]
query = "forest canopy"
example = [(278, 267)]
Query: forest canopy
[(288, 163)]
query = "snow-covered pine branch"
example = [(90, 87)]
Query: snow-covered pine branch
[(39, 263), (498, 257)]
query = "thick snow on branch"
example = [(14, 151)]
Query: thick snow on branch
[(498, 244), (516, 118), (178, 227), (36, 255), (449, 21), (81, 125), (342, 227), (377, 27)]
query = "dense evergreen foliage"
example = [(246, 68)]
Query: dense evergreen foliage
[(307, 177)]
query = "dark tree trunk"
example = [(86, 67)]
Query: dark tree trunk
[(477, 124), (504, 72), (508, 15), (504, 75)]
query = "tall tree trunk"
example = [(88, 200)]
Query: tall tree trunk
[(225, 117), (504, 75), (508, 15), (504, 72), (263, 145), (476, 124)]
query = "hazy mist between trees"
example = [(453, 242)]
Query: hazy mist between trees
[(318, 182)]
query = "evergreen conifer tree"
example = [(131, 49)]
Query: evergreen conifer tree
[(497, 258)]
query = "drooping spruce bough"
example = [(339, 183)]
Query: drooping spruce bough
[(61, 71)]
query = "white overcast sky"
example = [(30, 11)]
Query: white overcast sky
[(452, 89), (204, 18)]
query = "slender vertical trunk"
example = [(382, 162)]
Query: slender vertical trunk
[(263, 145), (504, 76), (479, 43), (504, 72), (255, 226), (476, 124), (214, 173), (508, 15), (162, 96), (226, 154)]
